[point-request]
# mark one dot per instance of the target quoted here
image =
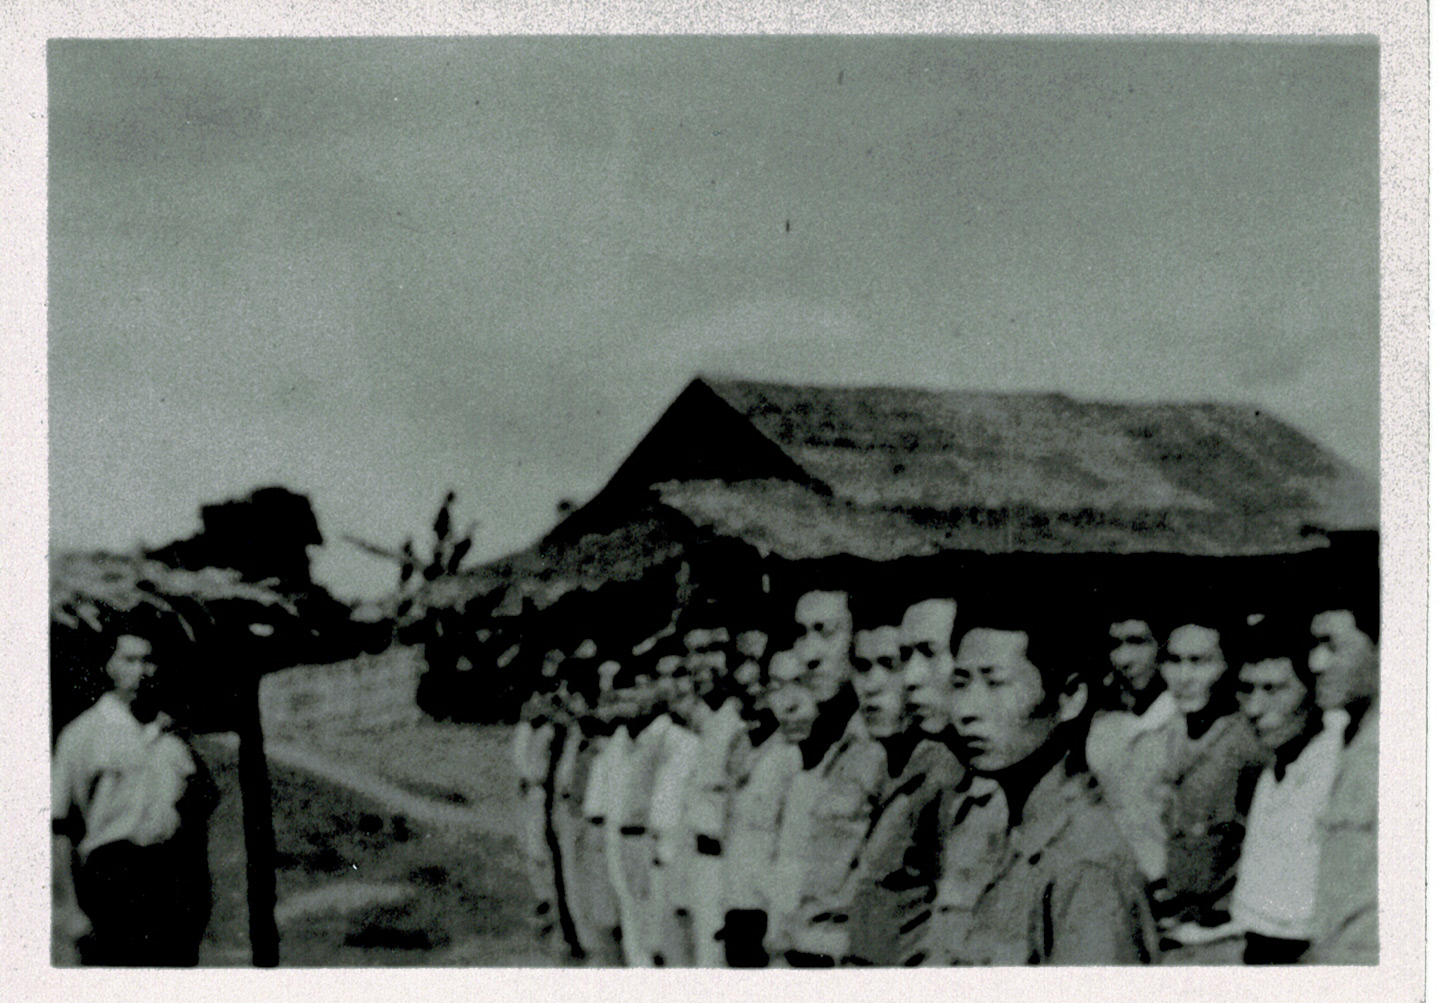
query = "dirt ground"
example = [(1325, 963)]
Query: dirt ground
[(406, 860)]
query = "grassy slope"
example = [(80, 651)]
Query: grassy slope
[(438, 896)]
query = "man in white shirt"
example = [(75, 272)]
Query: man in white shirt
[(130, 801), (670, 917), (1273, 901)]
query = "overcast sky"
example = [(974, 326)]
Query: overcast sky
[(374, 270)]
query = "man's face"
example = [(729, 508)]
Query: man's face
[(1275, 700), (997, 701), (1344, 660), (705, 657), (926, 661), (1134, 655), (1192, 665), (823, 644), (879, 681), (796, 710), (130, 668)]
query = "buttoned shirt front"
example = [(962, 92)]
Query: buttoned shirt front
[(711, 785), (887, 900), (1207, 778), (1063, 889), (1278, 872), (640, 773), (671, 784), (1128, 754), (827, 813), (754, 823)]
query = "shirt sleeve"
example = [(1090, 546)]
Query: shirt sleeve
[(61, 778)]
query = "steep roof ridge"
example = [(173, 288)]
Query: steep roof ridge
[(1196, 455)]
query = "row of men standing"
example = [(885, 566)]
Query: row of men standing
[(947, 787)]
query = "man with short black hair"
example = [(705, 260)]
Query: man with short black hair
[(876, 918), (1211, 757), (595, 905), (1133, 656), (720, 719), (1059, 885), (825, 628), (830, 802), (1274, 899), (764, 772), (130, 800), (654, 685)]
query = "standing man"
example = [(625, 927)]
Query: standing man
[(755, 811), (1062, 886), (531, 752), (636, 836), (1344, 660), (1276, 893), (596, 912), (131, 801), (721, 723), (882, 906), (670, 915), (1212, 759), (1128, 743)]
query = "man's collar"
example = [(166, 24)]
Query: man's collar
[(1158, 714), (116, 709), (119, 713)]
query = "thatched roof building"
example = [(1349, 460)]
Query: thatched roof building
[(880, 474)]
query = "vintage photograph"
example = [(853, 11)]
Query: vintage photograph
[(714, 502)]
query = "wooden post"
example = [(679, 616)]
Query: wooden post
[(259, 823)]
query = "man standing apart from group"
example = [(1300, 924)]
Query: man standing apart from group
[(131, 800)]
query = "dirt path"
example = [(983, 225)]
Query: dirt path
[(487, 817), (371, 870)]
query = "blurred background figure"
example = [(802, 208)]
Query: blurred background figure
[(1135, 681), (1344, 660), (756, 810), (595, 905), (1212, 760)]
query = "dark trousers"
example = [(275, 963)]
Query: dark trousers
[(147, 905), (1261, 950), (743, 937)]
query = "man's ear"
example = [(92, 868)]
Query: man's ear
[(1073, 699)]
